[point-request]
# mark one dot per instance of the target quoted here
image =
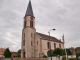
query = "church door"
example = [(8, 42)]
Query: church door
[(23, 54)]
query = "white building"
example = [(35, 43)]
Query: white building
[(34, 44)]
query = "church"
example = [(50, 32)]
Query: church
[(35, 44)]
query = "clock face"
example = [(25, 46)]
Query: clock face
[(31, 18)]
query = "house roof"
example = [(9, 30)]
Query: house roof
[(46, 37), (29, 10), (2, 50), (14, 52)]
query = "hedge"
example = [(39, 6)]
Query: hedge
[(72, 58)]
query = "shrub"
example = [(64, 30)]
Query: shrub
[(72, 58), (50, 53), (44, 56), (77, 54), (64, 57), (57, 51)]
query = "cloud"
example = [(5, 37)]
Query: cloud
[(63, 15)]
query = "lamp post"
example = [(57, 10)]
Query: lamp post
[(50, 43)]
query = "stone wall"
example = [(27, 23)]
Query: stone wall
[(25, 59), (53, 58)]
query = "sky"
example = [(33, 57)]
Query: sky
[(62, 15)]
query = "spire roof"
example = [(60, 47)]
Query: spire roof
[(29, 10)]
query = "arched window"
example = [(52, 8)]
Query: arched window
[(31, 43), (31, 34), (54, 45), (48, 44), (59, 45), (37, 42), (31, 23)]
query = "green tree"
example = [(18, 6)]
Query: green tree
[(7, 53), (68, 52), (57, 51), (50, 53), (77, 54), (19, 53)]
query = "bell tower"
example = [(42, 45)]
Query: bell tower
[(28, 33)]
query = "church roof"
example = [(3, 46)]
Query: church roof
[(29, 10), (46, 37)]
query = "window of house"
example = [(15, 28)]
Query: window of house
[(54, 45), (48, 44), (37, 42), (59, 45), (31, 23), (31, 43), (31, 35)]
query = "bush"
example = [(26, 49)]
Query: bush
[(58, 51), (72, 58), (64, 57), (50, 53), (44, 56), (77, 54)]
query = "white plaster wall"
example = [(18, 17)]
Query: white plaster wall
[(37, 46), (44, 44), (45, 48), (57, 45), (28, 38)]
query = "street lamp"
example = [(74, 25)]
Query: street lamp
[(50, 43)]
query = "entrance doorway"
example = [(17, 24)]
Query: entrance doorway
[(23, 54)]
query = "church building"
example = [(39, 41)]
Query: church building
[(35, 44)]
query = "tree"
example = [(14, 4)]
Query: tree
[(68, 52), (50, 53), (57, 51), (19, 53), (7, 53), (77, 54)]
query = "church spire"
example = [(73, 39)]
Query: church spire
[(29, 10)]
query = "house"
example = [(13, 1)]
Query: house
[(2, 51), (14, 54)]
